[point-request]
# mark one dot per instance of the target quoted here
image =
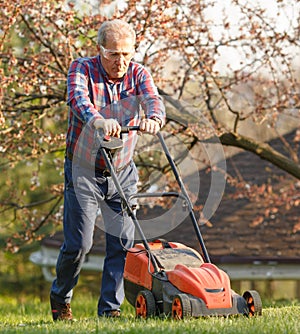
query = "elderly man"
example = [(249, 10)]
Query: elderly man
[(105, 92)]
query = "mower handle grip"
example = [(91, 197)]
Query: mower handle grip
[(126, 129)]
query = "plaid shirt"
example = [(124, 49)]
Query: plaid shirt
[(91, 95)]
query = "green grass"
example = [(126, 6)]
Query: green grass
[(34, 317)]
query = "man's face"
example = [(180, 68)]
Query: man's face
[(116, 56)]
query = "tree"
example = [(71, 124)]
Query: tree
[(235, 64)]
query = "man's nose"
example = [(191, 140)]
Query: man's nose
[(120, 58)]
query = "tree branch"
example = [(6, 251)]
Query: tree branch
[(263, 150)]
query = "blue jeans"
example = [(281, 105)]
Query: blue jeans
[(85, 192)]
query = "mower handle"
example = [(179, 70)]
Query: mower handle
[(126, 129)]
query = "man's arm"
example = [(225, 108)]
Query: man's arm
[(151, 102), (78, 93)]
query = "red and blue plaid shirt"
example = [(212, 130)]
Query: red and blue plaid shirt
[(91, 95)]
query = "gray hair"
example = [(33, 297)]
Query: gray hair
[(117, 29)]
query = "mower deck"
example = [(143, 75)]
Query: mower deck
[(185, 286)]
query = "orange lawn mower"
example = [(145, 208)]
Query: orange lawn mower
[(164, 278)]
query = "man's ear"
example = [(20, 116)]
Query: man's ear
[(98, 48)]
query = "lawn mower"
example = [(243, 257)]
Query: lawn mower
[(164, 278)]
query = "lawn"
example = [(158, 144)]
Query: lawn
[(33, 316), (24, 308)]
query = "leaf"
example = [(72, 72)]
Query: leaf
[(257, 221), (296, 228)]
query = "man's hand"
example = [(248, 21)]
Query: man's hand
[(149, 125), (110, 127)]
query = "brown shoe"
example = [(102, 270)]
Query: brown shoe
[(112, 314), (60, 311)]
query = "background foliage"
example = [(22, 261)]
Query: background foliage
[(236, 65)]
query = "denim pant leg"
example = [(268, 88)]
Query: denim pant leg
[(119, 237), (80, 209)]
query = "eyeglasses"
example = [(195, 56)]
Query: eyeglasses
[(113, 55)]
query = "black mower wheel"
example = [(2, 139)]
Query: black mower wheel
[(254, 303), (145, 306), (181, 307)]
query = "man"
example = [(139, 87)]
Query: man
[(105, 92)]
